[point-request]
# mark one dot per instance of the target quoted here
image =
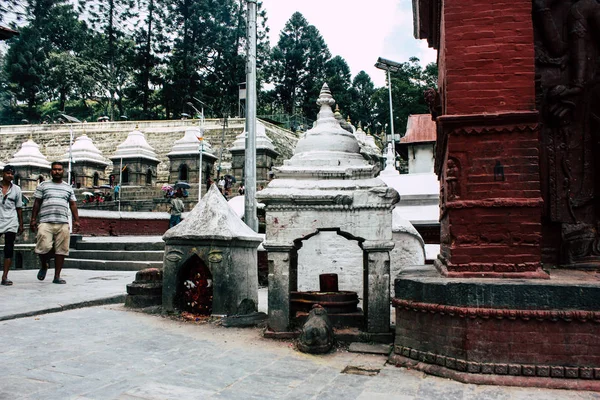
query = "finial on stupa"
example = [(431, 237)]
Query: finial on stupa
[(137, 127), (337, 108), (325, 97), (349, 120)]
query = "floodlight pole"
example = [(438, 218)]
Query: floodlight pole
[(250, 217), (388, 66), (201, 139), (71, 120), (391, 113)]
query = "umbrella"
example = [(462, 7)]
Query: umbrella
[(182, 185), (105, 187), (87, 193), (166, 187), (233, 180)]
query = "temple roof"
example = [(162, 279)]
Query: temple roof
[(190, 143), (419, 128), (29, 155), (212, 219), (84, 150), (135, 146)]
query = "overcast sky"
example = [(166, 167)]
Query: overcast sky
[(358, 31)]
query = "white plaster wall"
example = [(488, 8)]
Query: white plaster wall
[(409, 250), (420, 158), (329, 253)]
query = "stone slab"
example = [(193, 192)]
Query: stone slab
[(368, 348)]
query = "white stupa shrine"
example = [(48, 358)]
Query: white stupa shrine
[(265, 155), (88, 166), (138, 160), (31, 166), (184, 157), (328, 187)]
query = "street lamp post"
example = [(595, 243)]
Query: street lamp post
[(71, 120), (389, 66)]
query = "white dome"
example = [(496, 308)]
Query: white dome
[(84, 150), (135, 146), (189, 143), (30, 154)]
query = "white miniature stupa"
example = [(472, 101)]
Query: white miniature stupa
[(29, 155), (139, 160), (328, 186), (184, 157), (31, 166), (88, 165)]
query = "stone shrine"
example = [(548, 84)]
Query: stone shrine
[(327, 186), (184, 157), (265, 155), (138, 160), (31, 166), (88, 167), (210, 260)]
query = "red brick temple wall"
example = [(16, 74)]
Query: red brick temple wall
[(488, 144)]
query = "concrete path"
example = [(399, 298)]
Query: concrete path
[(108, 352), (28, 296)]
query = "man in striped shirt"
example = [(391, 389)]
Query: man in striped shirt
[(52, 202)]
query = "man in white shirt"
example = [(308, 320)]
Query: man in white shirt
[(11, 218)]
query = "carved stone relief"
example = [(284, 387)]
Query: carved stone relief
[(568, 98)]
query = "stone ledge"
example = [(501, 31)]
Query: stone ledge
[(497, 374), (563, 291)]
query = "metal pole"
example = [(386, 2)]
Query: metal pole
[(120, 185), (70, 152), (222, 145), (250, 155), (391, 113), (201, 139)]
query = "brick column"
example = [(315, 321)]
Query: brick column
[(488, 145)]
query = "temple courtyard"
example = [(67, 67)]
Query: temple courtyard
[(79, 342)]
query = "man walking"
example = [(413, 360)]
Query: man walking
[(52, 202), (11, 218)]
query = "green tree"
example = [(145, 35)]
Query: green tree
[(408, 85), (298, 65), (337, 76), (361, 93), (109, 18)]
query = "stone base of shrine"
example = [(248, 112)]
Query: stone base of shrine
[(519, 332)]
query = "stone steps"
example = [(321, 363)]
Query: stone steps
[(110, 265), (117, 254), (139, 255)]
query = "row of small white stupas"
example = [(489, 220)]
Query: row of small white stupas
[(135, 146)]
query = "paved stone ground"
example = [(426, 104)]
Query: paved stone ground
[(108, 352), (28, 296)]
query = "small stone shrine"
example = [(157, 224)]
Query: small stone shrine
[(210, 260), (265, 155), (31, 166), (328, 186), (185, 157), (138, 158), (88, 165)]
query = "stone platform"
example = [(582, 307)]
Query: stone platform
[(510, 331)]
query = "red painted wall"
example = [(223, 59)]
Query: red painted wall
[(487, 56), (122, 227)]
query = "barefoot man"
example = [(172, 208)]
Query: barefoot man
[(11, 218), (49, 219)]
